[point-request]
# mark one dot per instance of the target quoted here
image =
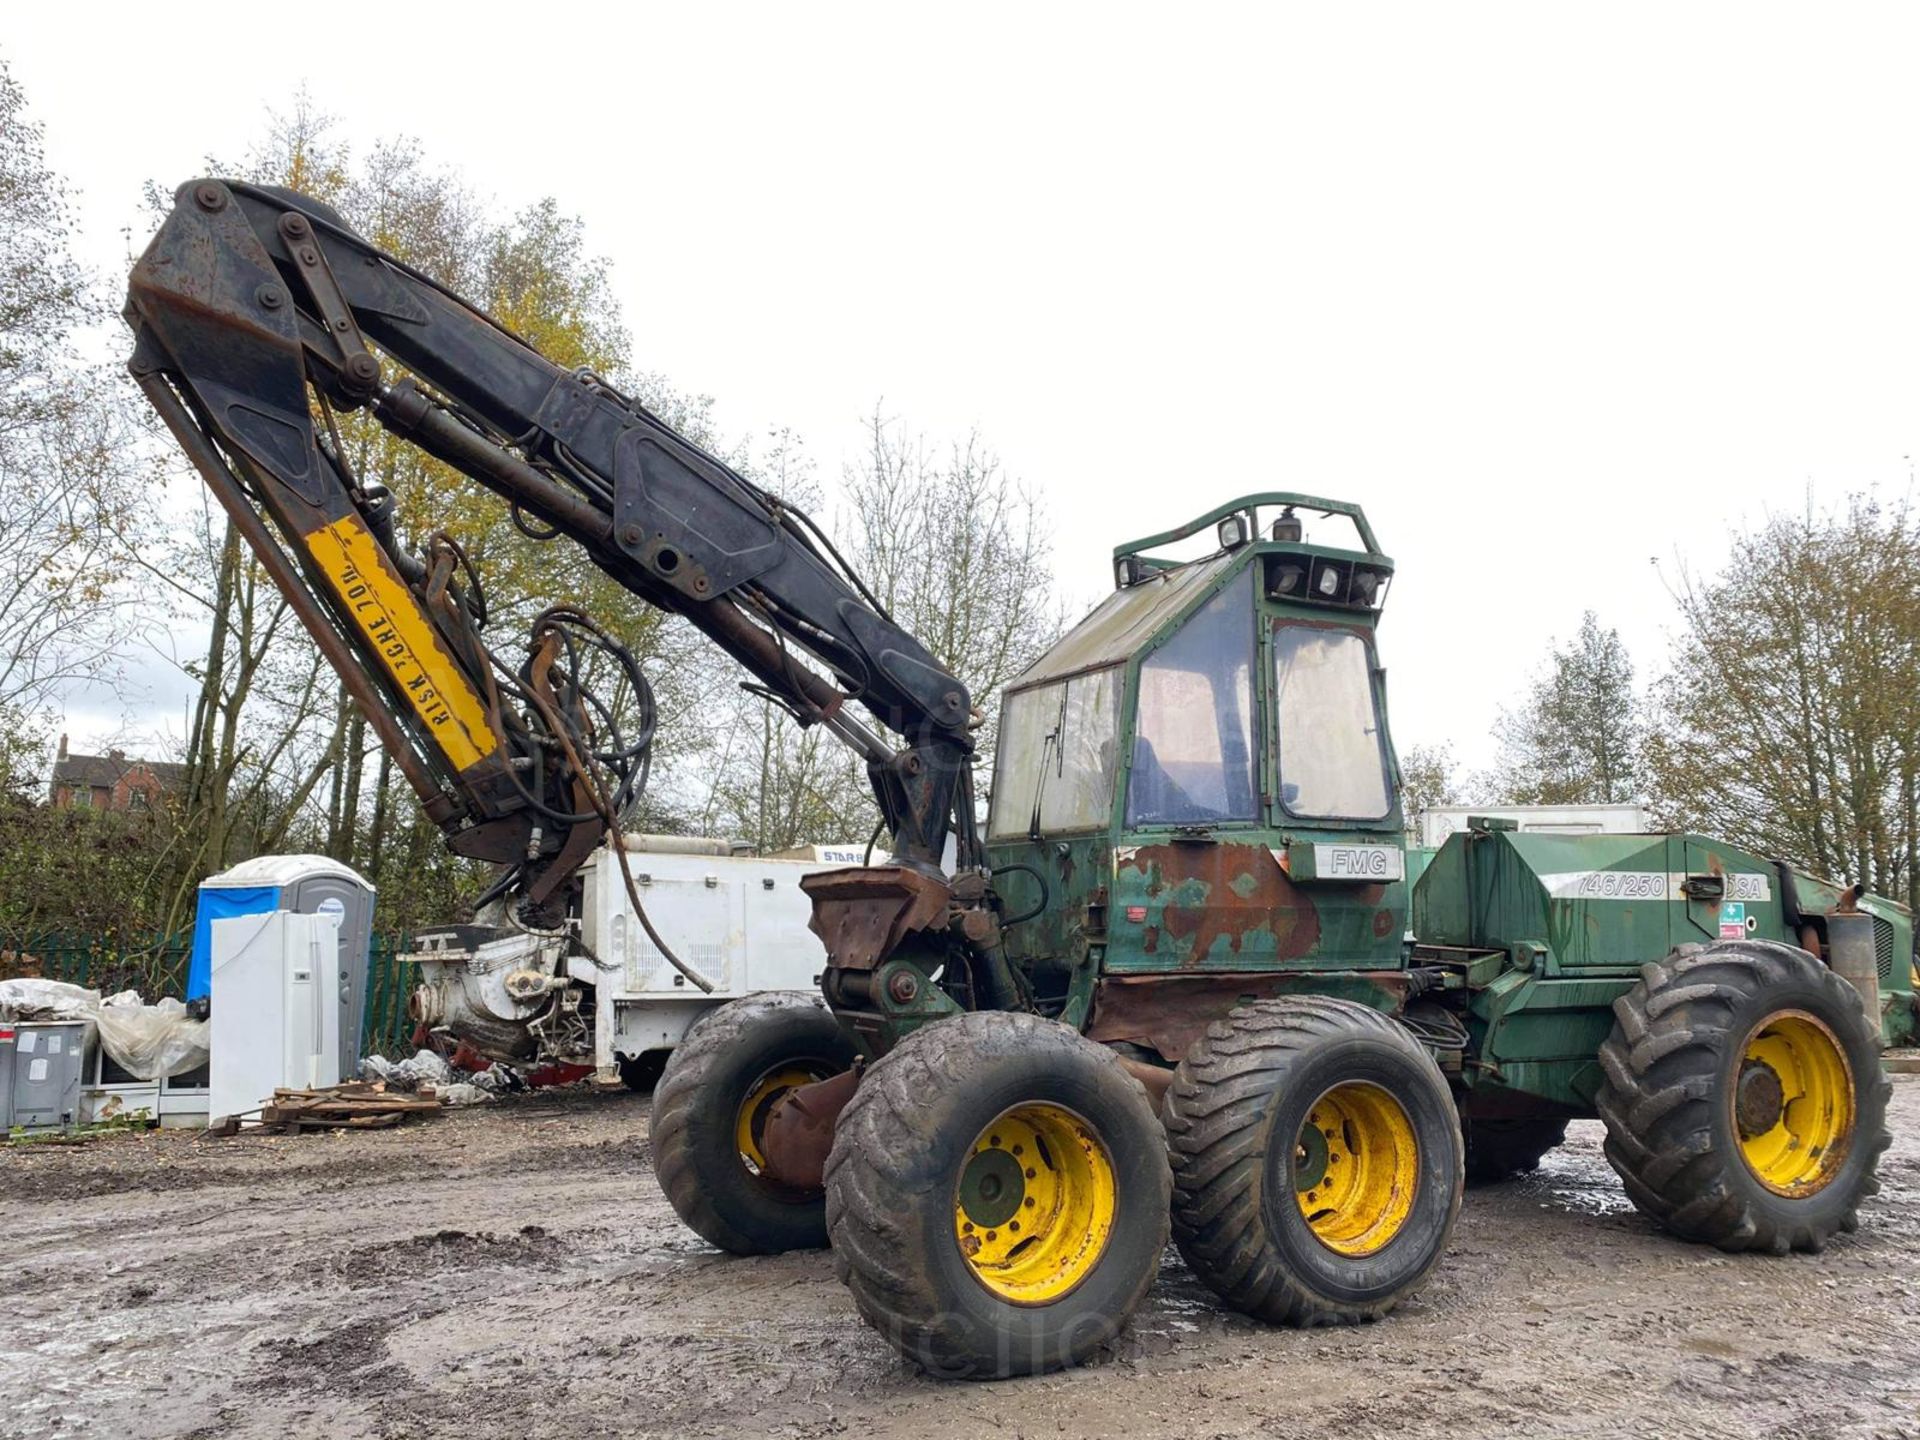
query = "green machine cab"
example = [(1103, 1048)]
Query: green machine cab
[(1196, 809), (1196, 795)]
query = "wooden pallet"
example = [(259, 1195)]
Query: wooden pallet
[(356, 1105)]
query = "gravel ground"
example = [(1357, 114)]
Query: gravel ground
[(514, 1271)]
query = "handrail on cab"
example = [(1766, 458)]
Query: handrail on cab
[(1251, 504)]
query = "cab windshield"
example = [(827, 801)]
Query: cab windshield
[(1332, 763), (1193, 743)]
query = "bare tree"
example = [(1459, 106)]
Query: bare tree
[(1786, 721), (64, 482), (957, 552)]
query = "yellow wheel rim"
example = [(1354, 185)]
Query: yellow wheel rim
[(1793, 1103), (1034, 1204), (1356, 1165), (750, 1125)]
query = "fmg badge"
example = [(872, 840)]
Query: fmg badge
[(1358, 862)]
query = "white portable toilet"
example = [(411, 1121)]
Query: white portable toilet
[(305, 885), (276, 1008)]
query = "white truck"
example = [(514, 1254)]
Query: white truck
[(1439, 821), (737, 919)]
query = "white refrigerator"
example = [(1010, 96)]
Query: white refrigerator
[(276, 1008)]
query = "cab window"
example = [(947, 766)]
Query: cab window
[(1054, 767), (1193, 742), (1332, 763)]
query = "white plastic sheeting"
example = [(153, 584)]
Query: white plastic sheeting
[(149, 1042), (454, 1087), (424, 1068)]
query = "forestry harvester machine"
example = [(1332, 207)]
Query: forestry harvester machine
[(1168, 986)]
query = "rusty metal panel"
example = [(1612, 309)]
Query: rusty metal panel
[(1221, 904), (1168, 1013), (862, 914)]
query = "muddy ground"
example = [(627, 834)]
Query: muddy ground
[(513, 1271)]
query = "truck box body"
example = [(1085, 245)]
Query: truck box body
[(1437, 822), (739, 920)]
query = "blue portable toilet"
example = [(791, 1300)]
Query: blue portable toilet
[(306, 885)]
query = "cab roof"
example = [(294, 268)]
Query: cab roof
[(1122, 624)]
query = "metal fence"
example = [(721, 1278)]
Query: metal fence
[(156, 966), (388, 1029)]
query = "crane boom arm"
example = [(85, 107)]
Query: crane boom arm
[(259, 315)]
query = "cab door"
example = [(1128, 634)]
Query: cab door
[(1198, 884), (1334, 793)]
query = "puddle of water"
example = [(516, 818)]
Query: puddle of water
[(1578, 1184)]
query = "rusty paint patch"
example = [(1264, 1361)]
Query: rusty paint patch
[(1150, 940), (1214, 892), (1382, 924)]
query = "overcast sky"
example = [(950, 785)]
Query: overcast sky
[(1554, 296)]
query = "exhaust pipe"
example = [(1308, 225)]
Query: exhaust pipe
[(1850, 953)]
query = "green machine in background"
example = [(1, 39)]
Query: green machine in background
[(1561, 926), (1549, 937)]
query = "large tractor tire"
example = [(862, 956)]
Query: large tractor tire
[(997, 1196), (1316, 1161), (1743, 1097), (1500, 1147), (710, 1111)]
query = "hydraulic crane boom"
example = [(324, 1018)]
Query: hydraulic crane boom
[(258, 315)]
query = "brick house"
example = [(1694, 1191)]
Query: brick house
[(111, 781)]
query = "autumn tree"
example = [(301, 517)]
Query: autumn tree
[(1575, 740), (1786, 722), (278, 756), (1429, 777)]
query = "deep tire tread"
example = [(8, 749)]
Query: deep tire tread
[(873, 1184), (679, 1101), (1216, 1115), (1662, 1070)]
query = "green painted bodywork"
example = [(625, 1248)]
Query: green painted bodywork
[(1526, 938), (1215, 899), (1575, 917)]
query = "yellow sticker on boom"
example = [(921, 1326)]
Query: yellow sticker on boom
[(402, 636)]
